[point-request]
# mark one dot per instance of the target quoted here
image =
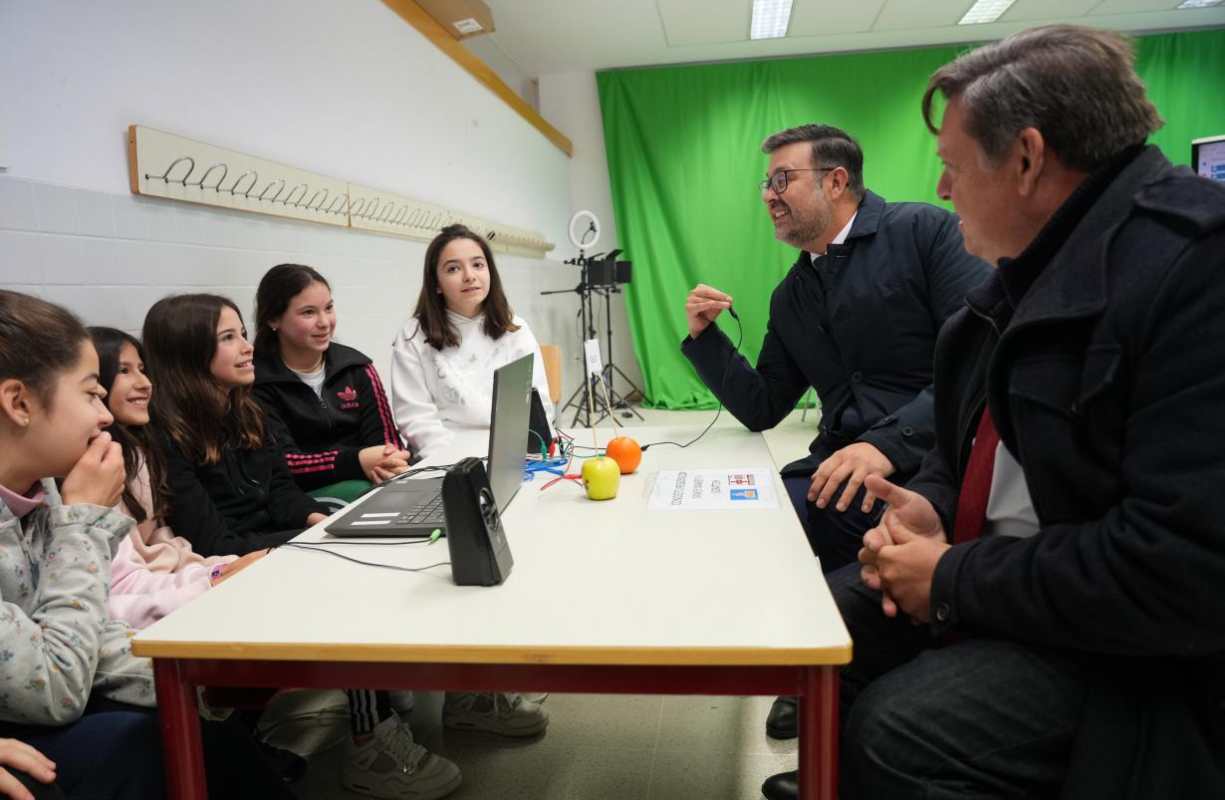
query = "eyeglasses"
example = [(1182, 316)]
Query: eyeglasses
[(781, 179)]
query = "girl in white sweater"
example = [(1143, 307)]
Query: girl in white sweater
[(462, 330), (442, 366)]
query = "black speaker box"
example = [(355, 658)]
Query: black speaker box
[(539, 434), (480, 554)]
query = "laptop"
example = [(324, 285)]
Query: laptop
[(413, 508)]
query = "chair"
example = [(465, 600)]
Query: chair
[(550, 354), (338, 495), (809, 399)]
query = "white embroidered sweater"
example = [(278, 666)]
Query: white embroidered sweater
[(58, 644), (435, 392)]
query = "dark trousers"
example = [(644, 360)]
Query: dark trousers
[(40, 791), (973, 718), (834, 536), (114, 752), (105, 755)]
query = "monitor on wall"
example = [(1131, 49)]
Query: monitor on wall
[(1208, 157)]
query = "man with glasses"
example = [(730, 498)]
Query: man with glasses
[(855, 318)]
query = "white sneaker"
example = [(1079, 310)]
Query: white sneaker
[(392, 765), (506, 714), (402, 702)]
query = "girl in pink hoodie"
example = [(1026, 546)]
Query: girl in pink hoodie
[(153, 571)]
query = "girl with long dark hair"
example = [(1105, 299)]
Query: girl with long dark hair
[(461, 331), (231, 492), (153, 571)]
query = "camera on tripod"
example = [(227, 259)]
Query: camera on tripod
[(608, 271)]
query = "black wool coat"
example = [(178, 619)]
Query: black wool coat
[(1101, 353), (860, 327)]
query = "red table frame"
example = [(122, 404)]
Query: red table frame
[(816, 687)]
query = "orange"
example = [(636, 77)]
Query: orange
[(626, 452)]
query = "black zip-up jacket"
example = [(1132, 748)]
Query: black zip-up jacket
[(860, 327), (244, 502), (320, 438), (1100, 353)]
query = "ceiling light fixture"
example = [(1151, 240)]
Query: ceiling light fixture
[(1198, 4), (985, 11), (770, 19)]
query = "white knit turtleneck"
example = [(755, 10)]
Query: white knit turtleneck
[(434, 392)]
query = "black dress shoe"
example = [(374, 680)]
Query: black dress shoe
[(288, 765), (781, 722), (783, 786)]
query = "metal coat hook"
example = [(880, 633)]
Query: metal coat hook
[(280, 189), (225, 170), (386, 212), (254, 180), (357, 207), (342, 199), (165, 176), (289, 196), (398, 219), (311, 202)]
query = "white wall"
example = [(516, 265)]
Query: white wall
[(487, 49), (570, 101), (346, 89)]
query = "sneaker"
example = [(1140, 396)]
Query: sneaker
[(506, 714), (390, 764), (402, 702)]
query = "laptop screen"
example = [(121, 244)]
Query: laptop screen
[(512, 391)]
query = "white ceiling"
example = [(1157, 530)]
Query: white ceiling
[(542, 37)]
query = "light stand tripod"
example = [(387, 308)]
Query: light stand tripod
[(611, 369), (587, 399)]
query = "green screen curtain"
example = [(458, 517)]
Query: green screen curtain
[(684, 158)]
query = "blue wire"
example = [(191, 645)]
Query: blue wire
[(554, 466)]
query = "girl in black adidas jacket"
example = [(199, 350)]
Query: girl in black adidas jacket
[(325, 404)]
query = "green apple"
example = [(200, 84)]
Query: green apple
[(602, 477)]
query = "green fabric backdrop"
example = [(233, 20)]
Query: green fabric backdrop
[(684, 158)]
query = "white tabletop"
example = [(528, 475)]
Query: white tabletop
[(606, 582)]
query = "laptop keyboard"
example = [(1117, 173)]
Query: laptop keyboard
[(428, 510)]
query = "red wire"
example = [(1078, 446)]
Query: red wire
[(566, 474)]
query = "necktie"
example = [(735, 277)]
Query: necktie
[(976, 485)]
